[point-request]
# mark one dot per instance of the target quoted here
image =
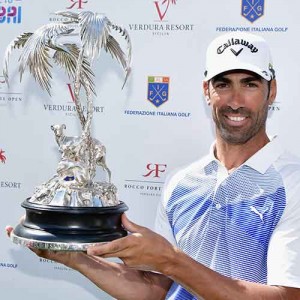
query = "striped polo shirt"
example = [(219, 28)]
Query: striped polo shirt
[(244, 225)]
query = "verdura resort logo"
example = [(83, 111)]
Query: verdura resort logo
[(162, 24), (162, 7), (69, 108)]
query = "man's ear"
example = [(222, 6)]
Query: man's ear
[(206, 91), (273, 91)]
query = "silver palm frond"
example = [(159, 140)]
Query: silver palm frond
[(114, 48), (68, 61), (18, 42), (95, 34), (94, 31), (36, 55)]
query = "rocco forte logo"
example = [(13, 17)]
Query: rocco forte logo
[(2, 156), (76, 4), (234, 42), (56, 266), (162, 7), (252, 9), (73, 4), (150, 186), (155, 170)]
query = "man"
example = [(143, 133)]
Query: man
[(229, 224)]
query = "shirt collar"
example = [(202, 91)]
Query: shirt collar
[(266, 156), (261, 160)]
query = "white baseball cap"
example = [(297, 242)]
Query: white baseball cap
[(239, 51)]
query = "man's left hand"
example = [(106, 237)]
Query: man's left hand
[(142, 249)]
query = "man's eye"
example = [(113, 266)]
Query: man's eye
[(251, 84), (221, 85)]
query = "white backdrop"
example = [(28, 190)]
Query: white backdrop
[(169, 40)]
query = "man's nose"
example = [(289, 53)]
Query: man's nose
[(236, 99)]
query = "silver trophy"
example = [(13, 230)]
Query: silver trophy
[(71, 211)]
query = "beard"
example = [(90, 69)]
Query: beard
[(239, 134)]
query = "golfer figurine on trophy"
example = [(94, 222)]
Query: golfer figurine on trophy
[(70, 211)]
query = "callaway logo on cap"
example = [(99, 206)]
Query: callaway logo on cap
[(239, 51)]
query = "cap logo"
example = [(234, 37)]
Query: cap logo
[(232, 42), (236, 53)]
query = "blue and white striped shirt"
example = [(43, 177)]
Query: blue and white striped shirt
[(229, 222)]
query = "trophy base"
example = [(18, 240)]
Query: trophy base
[(51, 246), (60, 228)]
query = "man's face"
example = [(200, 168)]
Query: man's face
[(240, 103)]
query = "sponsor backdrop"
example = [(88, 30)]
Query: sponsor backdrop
[(156, 124)]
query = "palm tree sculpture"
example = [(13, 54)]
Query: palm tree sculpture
[(73, 184)]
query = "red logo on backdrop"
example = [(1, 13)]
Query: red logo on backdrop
[(79, 4), (162, 7), (2, 82), (2, 156), (71, 92), (155, 170)]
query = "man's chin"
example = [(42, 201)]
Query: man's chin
[(235, 139)]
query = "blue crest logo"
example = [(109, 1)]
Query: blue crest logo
[(158, 90), (252, 9)]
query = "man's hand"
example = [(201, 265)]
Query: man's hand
[(142, 249), (67, 258), (116, 279)]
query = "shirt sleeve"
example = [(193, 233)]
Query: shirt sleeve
[(162, 225), (284, 247)]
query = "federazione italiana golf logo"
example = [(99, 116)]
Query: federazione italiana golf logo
[(158, 90), (158, 94), (252, 9)]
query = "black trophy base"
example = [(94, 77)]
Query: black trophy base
[(61, 228)]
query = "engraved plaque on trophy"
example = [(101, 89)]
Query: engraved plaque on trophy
[(71, 210)]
